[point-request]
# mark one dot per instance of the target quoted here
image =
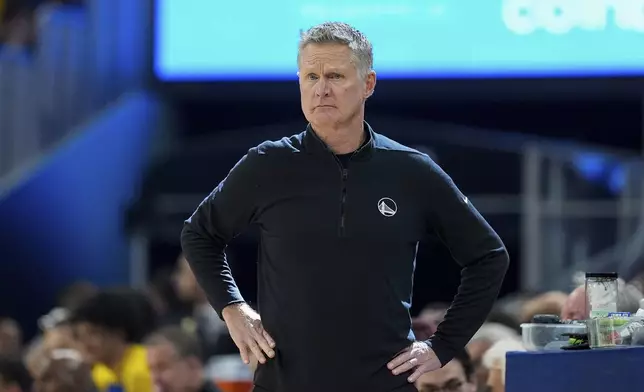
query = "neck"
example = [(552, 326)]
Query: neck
[(117, 357), (345, 138)]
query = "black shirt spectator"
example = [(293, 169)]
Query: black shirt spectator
[(14, 374)]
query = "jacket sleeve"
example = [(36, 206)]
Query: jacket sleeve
[(225, 213), (476, 248)]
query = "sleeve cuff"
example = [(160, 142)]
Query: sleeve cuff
[(442, 351), (221, 307)]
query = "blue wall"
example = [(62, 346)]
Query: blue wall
[(65, 221)]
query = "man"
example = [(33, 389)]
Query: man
[(341, 210), (494, 361), (574, 307), (482, 341), (10, 337), (63, 370), (456, 376), (14, 377), (211, 330), (174, 358), (110, 327)]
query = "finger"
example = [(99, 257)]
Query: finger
[(408, 365), (269, 339), (264, 346), (254, 347), (416, 374), (243, 352), (400, 359)]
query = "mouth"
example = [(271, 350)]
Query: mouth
[(324, 106)]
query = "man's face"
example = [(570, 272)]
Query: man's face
[(97, 344), (332, 91), (169, 372), (63, 375), (449, 378)]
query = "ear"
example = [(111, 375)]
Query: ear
[(370, 84)]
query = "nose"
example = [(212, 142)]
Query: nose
[(322, 88)]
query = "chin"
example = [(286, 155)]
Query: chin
[(324, 119)]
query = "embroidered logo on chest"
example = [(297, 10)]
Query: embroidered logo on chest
[(387, 207)]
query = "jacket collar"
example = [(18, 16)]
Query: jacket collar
[(313, 144)]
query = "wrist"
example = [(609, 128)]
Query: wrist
[(232, 308)]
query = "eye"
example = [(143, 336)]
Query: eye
[(335, 76), (311, 77)]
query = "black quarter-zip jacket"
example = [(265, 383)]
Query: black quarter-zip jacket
[(337, 256)]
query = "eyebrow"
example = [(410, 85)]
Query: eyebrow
[(327, 73)]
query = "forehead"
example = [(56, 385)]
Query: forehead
[(7, 326), (326, 55), (453, 370), (161, 350)]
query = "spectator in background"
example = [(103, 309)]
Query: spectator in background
[(110, 328), (14, 377), (204, 321), (494, 361), (456, 376), (10, 337), (426, 323), (551, 302), (63, 370), (162, 292), (574, 308), (174, 358), (486, 337), (57, 332)]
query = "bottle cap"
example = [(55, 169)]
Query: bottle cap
[(606, 275)]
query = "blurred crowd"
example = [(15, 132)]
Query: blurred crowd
[(119, 339), (18, 20), (165, 338)]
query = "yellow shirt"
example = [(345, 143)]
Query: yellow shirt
[(132, 374)]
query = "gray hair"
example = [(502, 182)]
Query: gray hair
[(341, 33)]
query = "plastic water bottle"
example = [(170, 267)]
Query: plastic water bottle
[(640, 311)]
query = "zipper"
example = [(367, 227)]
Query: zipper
[(345, 174)]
